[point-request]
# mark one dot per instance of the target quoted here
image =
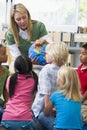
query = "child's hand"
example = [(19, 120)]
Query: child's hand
[(53, 112)]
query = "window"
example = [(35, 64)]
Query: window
[(4, 13), (58, 15), (83, 13)]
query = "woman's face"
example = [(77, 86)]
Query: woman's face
[(21, 20)]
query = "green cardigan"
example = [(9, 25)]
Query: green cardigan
[(39, 30)]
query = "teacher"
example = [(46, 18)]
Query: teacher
[(23, 32)]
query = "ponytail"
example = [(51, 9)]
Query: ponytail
[(12, 84)]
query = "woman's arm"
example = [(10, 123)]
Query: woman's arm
[(12, 50), (40, 41), (45, 39), (40, 30), (13, 53)]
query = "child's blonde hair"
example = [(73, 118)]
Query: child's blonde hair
[(58, 52), (70, 83)]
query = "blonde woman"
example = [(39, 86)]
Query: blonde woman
[(67, 102), (23, 30), (56, 56)]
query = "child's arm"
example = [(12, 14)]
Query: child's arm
[(5, 95), (48, 108), (46, 100), (84, 97)]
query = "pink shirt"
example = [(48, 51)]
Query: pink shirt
[(19, 106)]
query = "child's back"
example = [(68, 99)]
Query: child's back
[(56, 55), (20, 86)]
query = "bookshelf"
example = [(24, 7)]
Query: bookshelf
[(74, 42), (74, 49)]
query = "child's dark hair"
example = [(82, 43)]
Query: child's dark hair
[(22, 65), (1, 45), (84, 46)]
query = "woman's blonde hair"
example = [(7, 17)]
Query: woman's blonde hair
[(13, 26), (70, 86), (58, 52)]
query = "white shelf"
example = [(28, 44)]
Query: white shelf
[(74, 49)]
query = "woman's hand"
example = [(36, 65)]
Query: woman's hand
[(39, 42), (34, 60)]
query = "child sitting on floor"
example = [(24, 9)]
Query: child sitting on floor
[(4, 72), (67, 102)]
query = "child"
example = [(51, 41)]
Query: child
[(56, 56), (4, 72), (67, 102), (20, 87), (82, 72)]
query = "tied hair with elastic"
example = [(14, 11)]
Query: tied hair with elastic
[(30, 75), (17, 71)]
